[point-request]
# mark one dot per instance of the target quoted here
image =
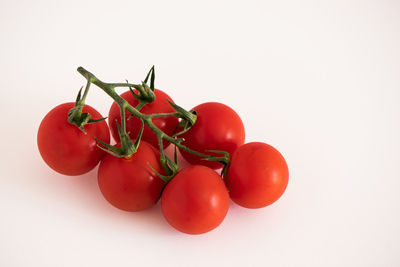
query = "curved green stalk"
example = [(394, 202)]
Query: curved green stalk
[(109, 88)]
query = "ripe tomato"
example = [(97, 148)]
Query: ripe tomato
[(129, 183), (195, 201), (160, 105), (257, 175), (218, 127), (67, 149)]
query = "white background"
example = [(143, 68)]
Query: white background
[(319, 80)]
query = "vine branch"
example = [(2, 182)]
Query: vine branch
[(109, 88)]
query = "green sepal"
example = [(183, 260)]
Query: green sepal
[(127, 147), (165, 178), (170, 167), (182, 124), (188, 118), (146, 95), (74, 112), (139, 137), (152, 78), (115, 151), (82, 119), (78, 97), (75, 115), (138, 97), (186, 115), (150, 93)]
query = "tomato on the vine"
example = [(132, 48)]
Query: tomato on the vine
[(257, 175), (129, 183), (133, 124), (66, 148), (195, 201), (217, 127), (133, 177)]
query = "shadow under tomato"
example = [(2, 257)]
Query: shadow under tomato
[(88, 192), (82, 193)]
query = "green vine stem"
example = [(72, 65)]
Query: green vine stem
[(168, 164), (75, 115), (146, 93)]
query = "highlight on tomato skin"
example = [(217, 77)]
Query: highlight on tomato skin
[(257, 175), (67, 149), (195, 201), (130, 184), (133, 124), (217, 127)]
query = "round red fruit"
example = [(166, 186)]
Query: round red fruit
[(129, 183), (257, 175), (217, 127), (66, 148), (195, 201)]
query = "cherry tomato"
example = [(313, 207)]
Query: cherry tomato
[(67, 149), (218, 127), (195, 201), (160, 105), (129, 183), (257, 175)]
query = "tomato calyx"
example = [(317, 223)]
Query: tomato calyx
[(127, 148), (169, 166), (146, 92), (188, 119), (75, 115)]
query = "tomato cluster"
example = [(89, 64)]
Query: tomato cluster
[(195, 199)]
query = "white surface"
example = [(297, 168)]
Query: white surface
[(322, 85)]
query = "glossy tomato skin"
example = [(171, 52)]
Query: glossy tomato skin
[(160, 105), (257, 175), (218, 127), (195, 201), (129, 183), (67, 149)]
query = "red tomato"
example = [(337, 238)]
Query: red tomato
[(160, 105), (218, 127), (129, 183), (195, 201), (64, 147), (257, 175)]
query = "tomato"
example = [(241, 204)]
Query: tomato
[(218, 127), (257, 175), (195, 201), (129, 183), (160, 105), (67, 149)]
